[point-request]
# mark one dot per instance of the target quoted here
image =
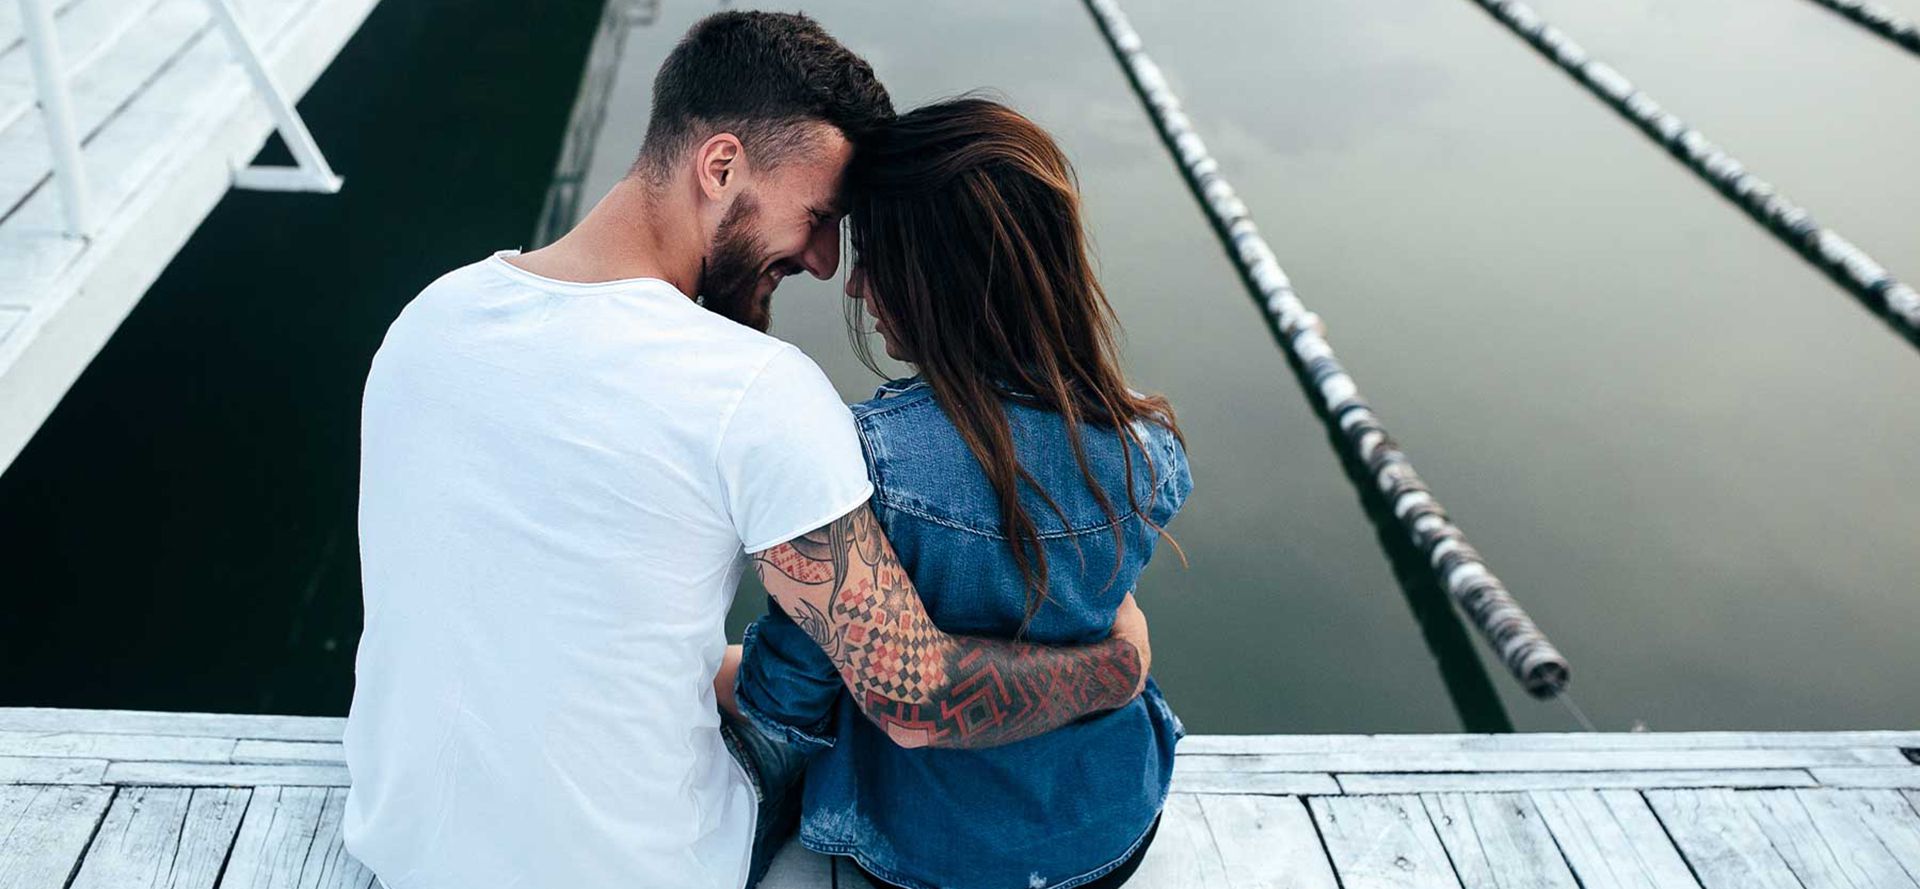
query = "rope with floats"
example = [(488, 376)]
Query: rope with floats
[(1845, 263), (1878, 19), (1458, 566)]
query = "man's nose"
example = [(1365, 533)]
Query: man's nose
[(822, 256)]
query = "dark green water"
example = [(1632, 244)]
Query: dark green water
[(1690, 456)]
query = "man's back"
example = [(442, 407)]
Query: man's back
[(552, 514)]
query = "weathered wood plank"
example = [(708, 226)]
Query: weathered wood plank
[(1491, 782), (1183, 854), (1382, 842), (200, 774), (86, 745), (163, 838), (1720, 840), (213, 822), (1263, 783), (328, 865), (1612, 840), (1893, 777), (1267, 842), (1540, 742), (1882, 815), (36, 770), (1549, 761), (1498, 840), (290, 752), (1830, 850), (147, 722), (135, 844), (275, 838), (794, 867), (43, 831)]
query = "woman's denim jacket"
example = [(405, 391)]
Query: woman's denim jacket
[(1056, 810)]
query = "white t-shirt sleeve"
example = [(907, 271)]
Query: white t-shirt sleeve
[(790, 459)]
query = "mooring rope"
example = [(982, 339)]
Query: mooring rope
[(1878, 19), (1824, 247), (1458, 566)]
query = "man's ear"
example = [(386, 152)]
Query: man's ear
[(721, 160)]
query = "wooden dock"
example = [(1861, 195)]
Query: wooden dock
[(94, 799), (164, 116)]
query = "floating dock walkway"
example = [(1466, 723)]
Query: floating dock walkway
[(114, 799), (149, 111)]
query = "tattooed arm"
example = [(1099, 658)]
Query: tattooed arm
[(844, 586)]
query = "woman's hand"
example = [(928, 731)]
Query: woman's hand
[(1130, 625)]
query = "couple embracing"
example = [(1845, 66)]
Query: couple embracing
[(571, 455)]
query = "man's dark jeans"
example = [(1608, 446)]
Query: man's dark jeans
[(775, 769)]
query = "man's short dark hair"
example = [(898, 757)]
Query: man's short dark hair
[(764, 77)]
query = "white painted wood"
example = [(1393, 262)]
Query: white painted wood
[(159, 165), (1382, 842), (1541, 741), (328, 866), (213, 822), (1267, 842), (162, 838), (201, 774), (92, 746), (314, 752), (1832, 849), (275, 838), (1720, 840), (98, 91), (1884, 815), (135, 844), (1183, 854), (1267, 783), (148, 722), (1492, 782), (1548, 761), (1612, 840), (794, 867), (1498, 840), (1869, 776), (43, 830), (10, 318), (88, 30), (33, 770)]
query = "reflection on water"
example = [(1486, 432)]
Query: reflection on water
[(1683, 448)]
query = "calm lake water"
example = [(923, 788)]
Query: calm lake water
[(1691, 457)]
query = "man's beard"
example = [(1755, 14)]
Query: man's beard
[(730, 274)]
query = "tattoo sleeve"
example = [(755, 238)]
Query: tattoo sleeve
[(844, 586)]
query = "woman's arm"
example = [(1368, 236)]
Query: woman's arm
[(845, 587)]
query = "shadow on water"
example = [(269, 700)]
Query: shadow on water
[(179, 535), (1464, 675)]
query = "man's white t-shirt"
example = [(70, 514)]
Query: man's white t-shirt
[(558, 484)]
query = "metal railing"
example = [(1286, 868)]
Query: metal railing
[(51, 77)]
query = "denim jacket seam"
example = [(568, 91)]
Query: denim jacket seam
[(880, 495)]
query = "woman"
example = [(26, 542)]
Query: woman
[(1024, 487)]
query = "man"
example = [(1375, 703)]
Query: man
[(565, 460)]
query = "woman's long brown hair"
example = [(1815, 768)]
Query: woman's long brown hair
[(965, 223)]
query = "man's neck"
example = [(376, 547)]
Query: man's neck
[(636, 231)]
